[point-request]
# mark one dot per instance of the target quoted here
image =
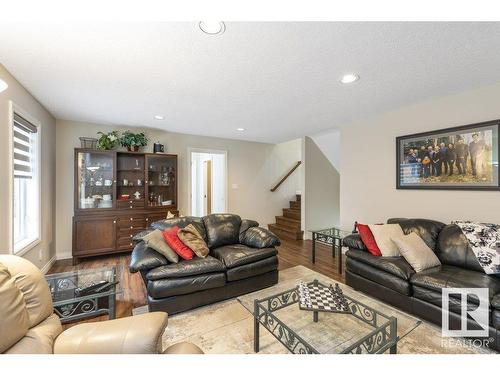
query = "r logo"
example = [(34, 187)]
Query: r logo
[(473, 322)]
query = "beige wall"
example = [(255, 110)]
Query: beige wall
[(321, 189), (23, 99), (253, 167), (368, 165)]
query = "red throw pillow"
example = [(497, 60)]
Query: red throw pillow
[(367, 237), (171, 238)]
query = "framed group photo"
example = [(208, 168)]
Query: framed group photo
[(459, 158)]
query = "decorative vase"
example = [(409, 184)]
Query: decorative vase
[(133, 148)]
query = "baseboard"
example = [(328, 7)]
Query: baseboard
[(64, 256), (49, 264)]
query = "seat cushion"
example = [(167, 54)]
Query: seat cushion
[(454, 277), (222, 229), (163, 288), (238, 255), (252, 269), (434, 298), (396, 266), (195, 266), (378, 276)]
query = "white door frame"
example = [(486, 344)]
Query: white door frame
[(190, 167)]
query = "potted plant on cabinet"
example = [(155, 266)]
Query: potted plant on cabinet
[(132, 141), (108, 141)]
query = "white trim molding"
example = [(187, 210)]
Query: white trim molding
[(49, 264)]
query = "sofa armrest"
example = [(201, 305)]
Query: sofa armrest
[(144, 258), (353, 241), (260, 238), (183, 348), (140, 334), (246, 224)]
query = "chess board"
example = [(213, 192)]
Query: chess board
[(316, 297)]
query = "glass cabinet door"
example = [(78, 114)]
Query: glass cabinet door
[(95, 180), (161, 180)]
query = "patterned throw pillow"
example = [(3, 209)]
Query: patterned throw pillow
[(156, 241), (172, 239), (193, 239)]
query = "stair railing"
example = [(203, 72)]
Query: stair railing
[(286, 176)]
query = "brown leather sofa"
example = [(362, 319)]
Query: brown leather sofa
[(29, 326), (242, 259), (393, 280)]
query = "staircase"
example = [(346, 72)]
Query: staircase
[(288, 226)]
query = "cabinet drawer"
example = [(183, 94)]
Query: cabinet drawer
[(132, 203), (132, 220), (125, 243)]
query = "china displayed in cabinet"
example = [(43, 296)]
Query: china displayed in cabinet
[(117, 195)]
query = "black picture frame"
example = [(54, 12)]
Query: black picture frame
[(459, 132)]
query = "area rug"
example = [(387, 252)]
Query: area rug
[(227, 327)]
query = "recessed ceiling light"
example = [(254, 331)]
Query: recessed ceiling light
[(349, 78), (3, 85), (211, 27), (240, 129), (158, 117)]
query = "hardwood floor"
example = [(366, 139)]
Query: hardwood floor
[(291, 253)]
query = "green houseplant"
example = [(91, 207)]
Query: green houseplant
[(108, 141), (132, 141)]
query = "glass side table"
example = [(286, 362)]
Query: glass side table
[(83, 294), (332, 237)]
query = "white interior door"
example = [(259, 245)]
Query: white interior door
[(208, 182)]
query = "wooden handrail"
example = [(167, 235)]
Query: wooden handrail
[(286, 176)]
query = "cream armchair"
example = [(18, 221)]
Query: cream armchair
[(28, 324)]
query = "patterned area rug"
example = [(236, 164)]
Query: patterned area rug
[(227, 327)]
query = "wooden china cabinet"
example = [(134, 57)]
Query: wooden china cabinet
[(117, 195)]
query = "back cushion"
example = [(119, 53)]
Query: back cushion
[(453, 249), (15, 321), (426, 229), (222, 229), (30, 280), (182, 222)]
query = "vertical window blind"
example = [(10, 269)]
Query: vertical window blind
[(23, 147)]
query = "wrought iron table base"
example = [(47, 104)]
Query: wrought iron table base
[(336, 245), (382, 338)]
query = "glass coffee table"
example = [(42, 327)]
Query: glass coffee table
[(362, 331), (83, 294), (332, 237)]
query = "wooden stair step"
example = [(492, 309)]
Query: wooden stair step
[(287, 222), (295, 205), (285, 232), (291, 213)]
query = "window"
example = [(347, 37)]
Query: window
[(26, 186)]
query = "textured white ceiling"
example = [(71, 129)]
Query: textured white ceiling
[(277, 80)]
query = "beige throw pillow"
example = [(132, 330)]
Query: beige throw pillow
[(193, 239), (156, 241), (384, 235), (416, 252)]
